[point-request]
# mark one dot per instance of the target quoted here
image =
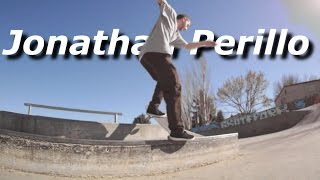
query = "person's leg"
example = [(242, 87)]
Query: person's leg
[(148, 62), (169, 83), (157, 97), (171, 87)]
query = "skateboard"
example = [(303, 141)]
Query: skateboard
[(163, 122)]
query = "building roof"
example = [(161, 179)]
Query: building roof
[(306, 82)]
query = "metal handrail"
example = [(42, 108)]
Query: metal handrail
[(30, 105)]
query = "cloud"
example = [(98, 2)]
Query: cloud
[(305, 12)]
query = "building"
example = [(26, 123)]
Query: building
[(299, 95)]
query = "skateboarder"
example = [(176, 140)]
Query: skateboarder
[(155, 56)]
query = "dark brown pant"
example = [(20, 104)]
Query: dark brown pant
[(168, 86)]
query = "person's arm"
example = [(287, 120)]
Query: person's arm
[(160, 2), (200, 44), (179, 42), (165, 7)]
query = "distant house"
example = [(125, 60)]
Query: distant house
[(299, 95)]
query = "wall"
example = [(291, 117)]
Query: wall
[(73, 129), (298, 91), (304, 102), (245, 119), (269, 125)]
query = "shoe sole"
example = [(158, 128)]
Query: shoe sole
[(179, 139), (157, 116)]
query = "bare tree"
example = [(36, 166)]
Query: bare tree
[(311, 77), (286, 80), (198, 106), (245, 94)]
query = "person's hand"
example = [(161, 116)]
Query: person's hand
[(160, 2), (209, 43)]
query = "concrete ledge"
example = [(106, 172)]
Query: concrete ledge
[(102, 158), (75, 129)]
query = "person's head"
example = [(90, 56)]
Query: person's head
[(183, 22)]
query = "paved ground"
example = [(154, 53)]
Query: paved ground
[(292, 154)]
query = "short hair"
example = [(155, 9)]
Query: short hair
[(180, 16)]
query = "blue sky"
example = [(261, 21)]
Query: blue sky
[(122, 85)]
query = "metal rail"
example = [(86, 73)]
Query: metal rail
[(30, 105)]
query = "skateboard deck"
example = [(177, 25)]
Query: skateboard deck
[(163, 122)]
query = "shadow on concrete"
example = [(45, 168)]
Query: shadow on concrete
[(166, 146), (122, 131)]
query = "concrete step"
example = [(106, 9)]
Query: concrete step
[(110, 158)]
